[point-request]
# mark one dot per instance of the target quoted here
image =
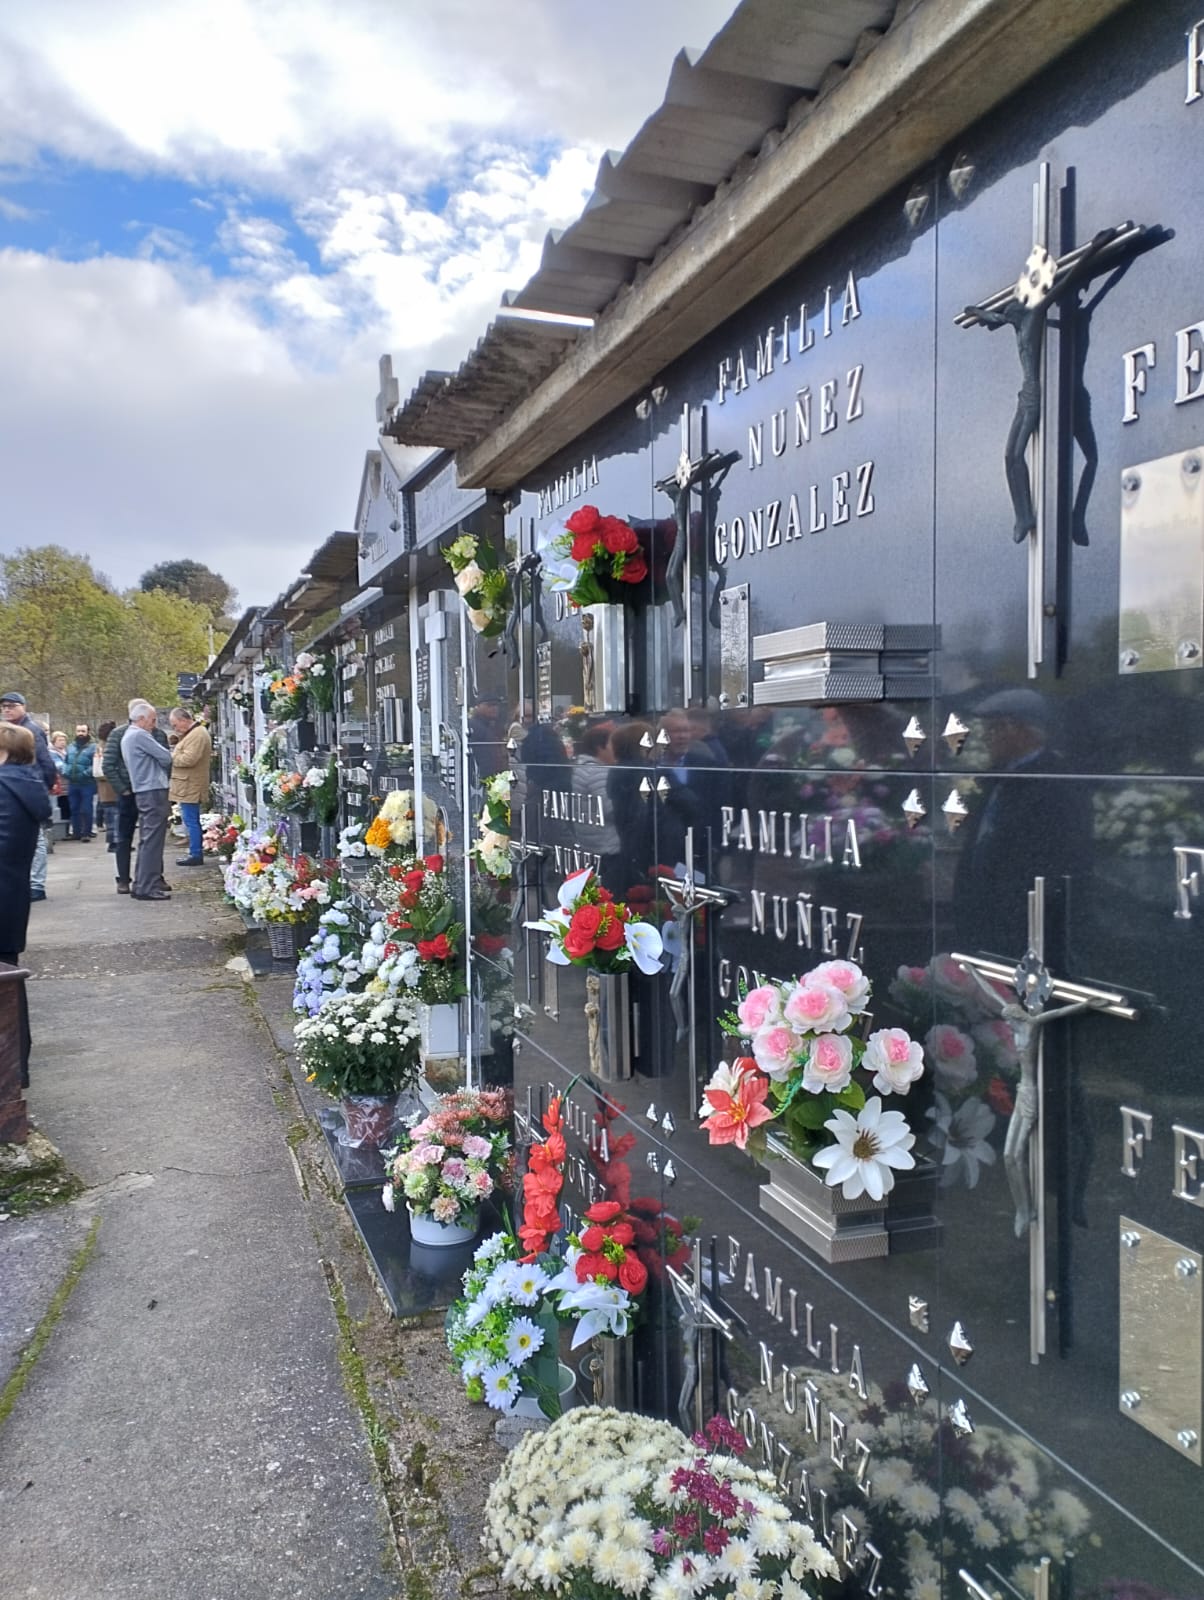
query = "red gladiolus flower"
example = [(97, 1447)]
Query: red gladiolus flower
[(603, 1211), (556, 1146)]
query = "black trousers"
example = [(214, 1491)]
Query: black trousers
[(127, 826)]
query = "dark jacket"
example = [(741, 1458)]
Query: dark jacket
[(42, 757), (24, 806), (78, 762), (115, 769)]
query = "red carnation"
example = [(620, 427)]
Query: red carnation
[(603, 1211), (622, 1233), (635, 570), (584, 521), (436, 949), (390, 949), (633, 1275), (618, 536), (583, 547)]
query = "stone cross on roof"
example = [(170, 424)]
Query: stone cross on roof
[(389, 397)]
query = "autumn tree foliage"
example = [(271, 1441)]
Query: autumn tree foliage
[(78, 649)]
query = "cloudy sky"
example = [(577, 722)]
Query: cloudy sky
[(216, 214)]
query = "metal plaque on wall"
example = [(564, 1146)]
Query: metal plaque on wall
[(735, 669), (1162, 564), (543, 682), (1161, 1333)]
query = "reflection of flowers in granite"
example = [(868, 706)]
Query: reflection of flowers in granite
[(1146, 819), (960, 1139), (952, 1055), (934, 1492)]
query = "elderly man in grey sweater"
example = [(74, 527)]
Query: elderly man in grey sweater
[(149, 766)]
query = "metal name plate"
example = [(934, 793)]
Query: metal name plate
[(1161, 1337), (1162, 564), (735, 671), (543, 681)]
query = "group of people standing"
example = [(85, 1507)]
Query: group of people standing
[(137, 775)]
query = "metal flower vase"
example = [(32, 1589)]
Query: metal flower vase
[(610, 1369), (604, 657), (441, 1043), (608, 1025), (837, 1229)]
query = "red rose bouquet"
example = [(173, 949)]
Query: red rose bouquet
[(592, 556), (590, 928)]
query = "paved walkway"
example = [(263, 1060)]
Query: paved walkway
[(185, 1433)]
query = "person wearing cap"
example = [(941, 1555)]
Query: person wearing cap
[(13, 710), (149, 767), (1032, 822)]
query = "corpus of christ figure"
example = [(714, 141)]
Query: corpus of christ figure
[(705, 474), (1043, 283), (1025, 1019)]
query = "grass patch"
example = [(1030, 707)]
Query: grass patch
[(355, 1378), (45, 1328)]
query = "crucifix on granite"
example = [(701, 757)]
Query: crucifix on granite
[(1044, 282), (687, 895), (700, 1320), (1026, 1016), (703, 476)]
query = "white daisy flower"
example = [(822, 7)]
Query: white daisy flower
[(865, 1151)]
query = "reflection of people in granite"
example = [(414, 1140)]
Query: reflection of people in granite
[(1020, 829), (630, 810), (694, 765), (591, 776)]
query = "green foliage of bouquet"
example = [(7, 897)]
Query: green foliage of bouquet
[(360, 1044), (482, 582)]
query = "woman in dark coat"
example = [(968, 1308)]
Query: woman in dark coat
[(24, 807)]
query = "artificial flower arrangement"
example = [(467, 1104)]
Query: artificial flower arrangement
[(254, 852), (360, 1044), (590, 928), (291, 889), (286, 697), (491, 851), (419, 943), (517, 1277), (452, 1158), (490, 922), (390, 835), (594, 558), (220, 834), (350, 845), (269, 758), (316, 676), (244, 772), (801, 1076), (482, 582), (312, 794), (619, 1506), (329, 966), (243, 698)]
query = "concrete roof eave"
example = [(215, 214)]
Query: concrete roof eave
[(942, 65)]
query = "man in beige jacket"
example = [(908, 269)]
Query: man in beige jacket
[(190, 779)]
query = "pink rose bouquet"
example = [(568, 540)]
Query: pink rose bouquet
[(454, 1157), (802, 1078)]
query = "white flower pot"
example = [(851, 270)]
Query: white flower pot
[(440, 1025), (527, 1405), (425, 1230)]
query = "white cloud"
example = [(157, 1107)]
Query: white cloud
[(153, 405)]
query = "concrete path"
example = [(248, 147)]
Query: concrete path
[(185, 1432)]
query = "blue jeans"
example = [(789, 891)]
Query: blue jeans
[(108, 811), (82, 799), (190, 815)]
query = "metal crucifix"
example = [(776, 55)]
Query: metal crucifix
[(699, 1320), (688, 895), (703, 475), (1026, 1016), (1044, 282)]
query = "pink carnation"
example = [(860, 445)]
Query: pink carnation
[(477, 1148), (759, 1007)]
